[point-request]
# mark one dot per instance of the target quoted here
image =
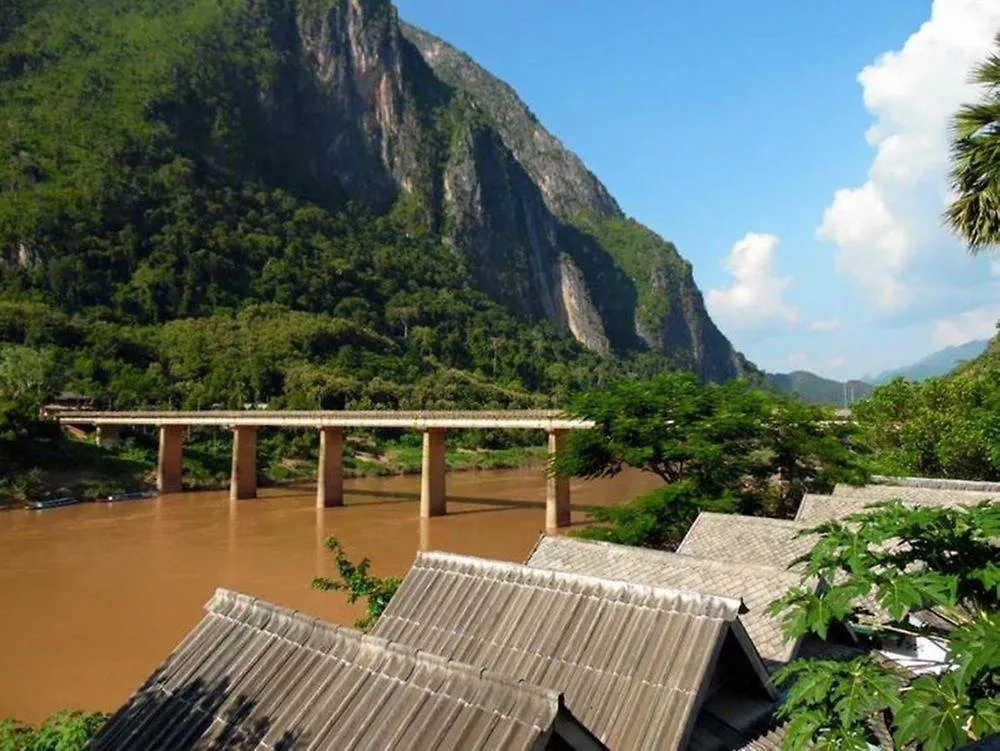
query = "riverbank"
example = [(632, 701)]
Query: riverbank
[(100, 472)]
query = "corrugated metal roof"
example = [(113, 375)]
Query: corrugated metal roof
[(847, 500), (758, 586), (633, 661), (746, 539), (253, 675)]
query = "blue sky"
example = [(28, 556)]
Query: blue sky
[(729, 128)]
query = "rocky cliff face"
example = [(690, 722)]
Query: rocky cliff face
[(404, 114)]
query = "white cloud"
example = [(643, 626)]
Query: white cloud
[(798, 358), (978, 323), (755, 295), (881, 227), (824, 326), (837, 362), (995, 268)]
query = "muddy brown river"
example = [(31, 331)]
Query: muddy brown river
[(95, 596)]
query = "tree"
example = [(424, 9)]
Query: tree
[(883, 571), (975, 157), (25, 372), (942, 427), (356, 581), (672, 426), (658, 519), (730, 446)]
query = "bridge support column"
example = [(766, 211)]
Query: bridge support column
[(243, 481), (557, 511), (168, 464), (108, 435), (432, 484), (330, 479)]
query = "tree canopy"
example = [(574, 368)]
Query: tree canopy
[(942, 427), (726, 447)]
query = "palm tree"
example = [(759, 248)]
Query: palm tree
[(975, 155)]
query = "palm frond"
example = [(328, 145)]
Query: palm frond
[(974, 215)]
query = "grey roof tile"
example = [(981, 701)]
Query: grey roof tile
[(758, 586), (253, 675), (631, 659), (755, 540), (847, 499), (937, 482)]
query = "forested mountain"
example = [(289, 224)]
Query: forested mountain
[(223, 201), (818, 390), (937, 363)]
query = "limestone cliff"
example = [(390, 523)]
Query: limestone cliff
[(389, 112)]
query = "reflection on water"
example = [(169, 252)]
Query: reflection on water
[(95, 596)]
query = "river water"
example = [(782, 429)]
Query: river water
[(94, 597)]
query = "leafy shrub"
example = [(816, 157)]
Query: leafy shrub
[(356, 581), (63, 731)]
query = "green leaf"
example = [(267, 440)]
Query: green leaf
[(986, 714), (935, 714)]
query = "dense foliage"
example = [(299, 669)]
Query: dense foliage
[(63, 731), (943, 427), (354, 579), (154, 255), (975, 155), (724, 447), (161, 257), (882, 571)]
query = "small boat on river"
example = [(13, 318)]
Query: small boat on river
[(48, 503), (133, 496)]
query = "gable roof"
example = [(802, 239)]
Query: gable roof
[(758, 586), (633, 661), (847, 500), (258, 676), (754, 540)]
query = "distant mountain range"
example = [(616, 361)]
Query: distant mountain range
[(935, 364), (818, 390)]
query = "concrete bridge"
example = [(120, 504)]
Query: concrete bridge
[(330, 425)]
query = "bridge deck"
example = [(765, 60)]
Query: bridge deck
[(523, 419)]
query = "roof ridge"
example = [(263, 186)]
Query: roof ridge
[(790, 523), (731, 606), (420, 657), (666, 555)]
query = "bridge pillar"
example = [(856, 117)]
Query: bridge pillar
[(330, 479), (243, 481), (557, 511), (169, 475), (432, 484), (108, 435)]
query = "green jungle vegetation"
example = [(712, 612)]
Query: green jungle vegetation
[(152, 255), (942, 427), (729, 447)]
